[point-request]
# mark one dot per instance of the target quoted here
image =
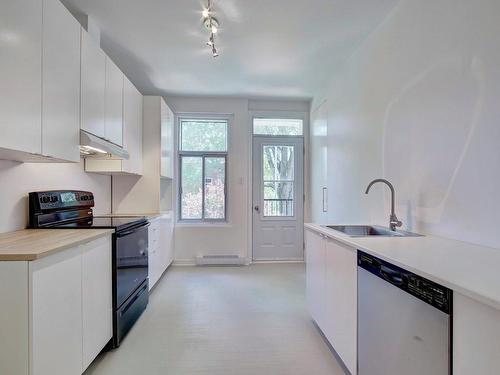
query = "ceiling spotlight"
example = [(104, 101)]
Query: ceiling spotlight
[(212, 25), (210, 42)]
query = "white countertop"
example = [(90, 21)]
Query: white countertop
[(468, 269)]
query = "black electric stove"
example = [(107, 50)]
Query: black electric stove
[(70, 209), (102, 222)]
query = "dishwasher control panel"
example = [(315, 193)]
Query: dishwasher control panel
[(426, 290)]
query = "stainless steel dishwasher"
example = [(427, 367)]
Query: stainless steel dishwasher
[(404, 321)]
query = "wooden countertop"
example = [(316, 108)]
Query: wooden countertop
[(32, 244), (147, 215)]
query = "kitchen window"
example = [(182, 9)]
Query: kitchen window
[(203, 169)]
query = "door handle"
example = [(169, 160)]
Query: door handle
[(257, 209), (325, 199)]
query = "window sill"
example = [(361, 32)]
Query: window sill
[(201, 224)]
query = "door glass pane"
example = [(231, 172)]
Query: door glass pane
[(278, 163), (203, 135), (191, 197), (215, 170), (278, 198), (278, 180), (277, 126)]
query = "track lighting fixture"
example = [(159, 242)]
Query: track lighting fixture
[(211, 24)]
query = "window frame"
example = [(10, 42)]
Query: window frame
[(203, 155), (277, 116)]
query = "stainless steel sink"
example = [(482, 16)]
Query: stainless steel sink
[(370, 230)]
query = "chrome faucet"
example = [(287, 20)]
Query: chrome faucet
[(393, 220)]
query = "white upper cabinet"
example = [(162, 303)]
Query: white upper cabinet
[(132, 120), (61, 83), (93, 86), (113, 122), (20, 75), (167, 141), (132, 137)]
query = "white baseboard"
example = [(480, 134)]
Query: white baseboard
[(184, 262), (221, 260), (247, 262), (275, 261)]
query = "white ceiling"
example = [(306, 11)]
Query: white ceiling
[(269, 48)]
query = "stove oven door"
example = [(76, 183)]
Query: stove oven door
[(131, 262)]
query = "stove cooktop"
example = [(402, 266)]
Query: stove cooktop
[(103, 222)]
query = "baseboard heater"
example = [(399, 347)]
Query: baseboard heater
[(220, 260)]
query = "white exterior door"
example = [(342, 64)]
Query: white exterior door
[(278, 198)]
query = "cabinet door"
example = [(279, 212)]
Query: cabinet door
[(167, 141), (21, 75), (169, 238), (97, 298), (132, 120), (114, 103), (153, 253), (476, 328), (165, 246), (315, 276), (341, 301), (319, 163), (93, 82), (61, 83), (56, 314)]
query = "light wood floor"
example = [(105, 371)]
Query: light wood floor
[(224, 321)]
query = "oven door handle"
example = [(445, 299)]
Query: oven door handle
[(128, 232)]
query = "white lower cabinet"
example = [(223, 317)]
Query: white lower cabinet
[(97, 299), (160, 247), (476, 329), (331, 277), (56, 312), (315, 276), (341, 301)]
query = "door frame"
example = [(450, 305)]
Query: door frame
[(302, 115)]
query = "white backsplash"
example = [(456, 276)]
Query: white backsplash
[(17, 180)]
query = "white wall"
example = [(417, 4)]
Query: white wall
[(419, 103), (231, 238), (17, 180)]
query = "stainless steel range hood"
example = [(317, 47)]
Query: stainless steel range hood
[(92, 146)]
